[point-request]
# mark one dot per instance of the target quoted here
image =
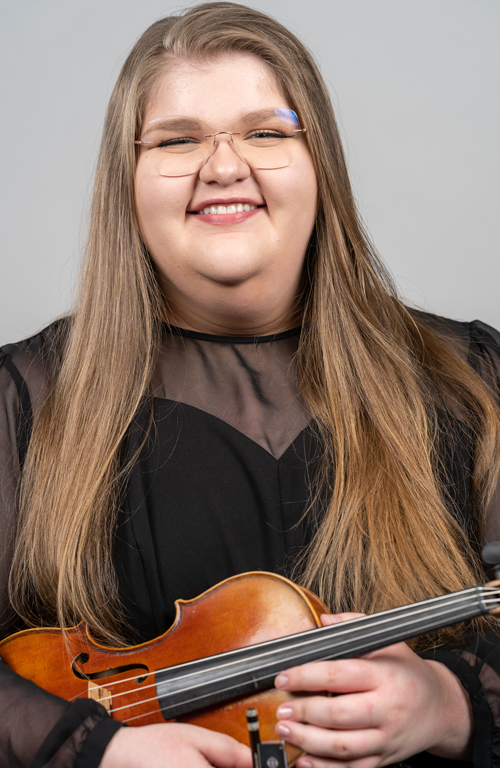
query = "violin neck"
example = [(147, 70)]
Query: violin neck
[(188, 687)]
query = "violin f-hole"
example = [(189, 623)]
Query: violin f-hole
[(83, 658)]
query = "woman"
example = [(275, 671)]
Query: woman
[(184, 430)]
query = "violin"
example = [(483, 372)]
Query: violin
[(223, 651)]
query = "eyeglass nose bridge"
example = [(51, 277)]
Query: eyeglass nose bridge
[(215, 143), (229, 133)]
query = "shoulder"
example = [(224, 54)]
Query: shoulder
[(475, 342), (467, 337), (33, 362)]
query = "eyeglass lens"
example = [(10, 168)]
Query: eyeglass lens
[(179, 145)]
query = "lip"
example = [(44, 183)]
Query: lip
[(224, 201), (225, 219)]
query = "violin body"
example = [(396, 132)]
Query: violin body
[(244, 610), (223, 652)]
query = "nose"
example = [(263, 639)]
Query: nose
[(224, 165)]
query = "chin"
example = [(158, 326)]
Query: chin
[(230, 271), (228, 281)]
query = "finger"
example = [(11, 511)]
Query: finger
[(223, 751), (342, 676), (336, 745), (346, 712), (310, 761), (336, 618)]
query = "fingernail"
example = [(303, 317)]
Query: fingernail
[(281, 681), (305, 764), (284, 712), (283, 730)]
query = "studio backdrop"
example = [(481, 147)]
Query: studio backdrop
[(415, 84)]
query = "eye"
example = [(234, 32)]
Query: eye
[(177, 142), (267, 133)]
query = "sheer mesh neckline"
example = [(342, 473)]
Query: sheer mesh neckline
[(232, 339), (247, 382)]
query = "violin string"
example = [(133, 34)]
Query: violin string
[(319, 633), (296, 641), (363, 638), (193, 700), (455, 599), (219, 689)]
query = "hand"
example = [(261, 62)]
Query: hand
[(394, 705), (174, 745)]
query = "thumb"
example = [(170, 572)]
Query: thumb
[(225, 752)]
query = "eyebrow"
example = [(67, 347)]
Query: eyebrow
[(173, 123), (261, 114)]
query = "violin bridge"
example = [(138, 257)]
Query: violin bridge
[(102, 695)]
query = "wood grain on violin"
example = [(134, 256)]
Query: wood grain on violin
[(223, 652)]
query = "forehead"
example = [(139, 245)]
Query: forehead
[(217, 91)]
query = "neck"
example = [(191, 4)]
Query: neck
[(234, 317)]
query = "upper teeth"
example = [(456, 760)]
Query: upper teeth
[(237, 208)]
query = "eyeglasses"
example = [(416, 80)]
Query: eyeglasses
[(179, 146)]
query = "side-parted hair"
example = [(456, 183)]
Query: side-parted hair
[(372, 374)]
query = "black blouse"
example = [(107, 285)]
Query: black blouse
[(220, 487)]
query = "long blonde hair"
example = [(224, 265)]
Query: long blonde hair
[(368, 371)]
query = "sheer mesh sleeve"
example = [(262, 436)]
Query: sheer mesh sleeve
[(477, 665), (485, 355), (36, 728)]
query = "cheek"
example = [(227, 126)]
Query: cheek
[(305, 186), (292, 197), (160, 203)]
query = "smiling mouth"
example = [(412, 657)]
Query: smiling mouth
[(224, 209)]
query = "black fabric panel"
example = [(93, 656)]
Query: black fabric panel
[(296, 470), (204, 503), (25, 410)]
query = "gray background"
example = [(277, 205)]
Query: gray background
[(416, 87)]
